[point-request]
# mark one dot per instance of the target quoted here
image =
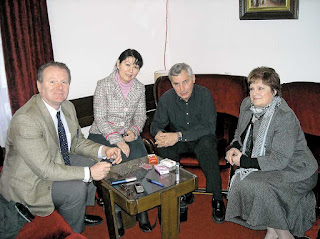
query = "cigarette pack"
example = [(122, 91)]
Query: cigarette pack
[(170, 164), (153, 159), (161, 169)]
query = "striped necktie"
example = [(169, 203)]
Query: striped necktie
[(63, 141)]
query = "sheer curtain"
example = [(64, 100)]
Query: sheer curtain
[(5, 110)]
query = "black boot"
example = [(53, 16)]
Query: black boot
[(119, 223), (144, 223), (218, 211)]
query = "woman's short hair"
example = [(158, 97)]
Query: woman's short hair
[(268, 76), (177, 68), (131, 53), (52, 63)]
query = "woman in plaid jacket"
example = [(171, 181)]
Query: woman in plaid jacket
[(120, 107), (120, 113)]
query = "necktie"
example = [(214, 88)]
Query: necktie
[(63, 141)]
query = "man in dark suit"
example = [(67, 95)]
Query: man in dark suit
[(49, 164)]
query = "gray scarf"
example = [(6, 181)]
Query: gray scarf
[(267, 113), (259, 147)]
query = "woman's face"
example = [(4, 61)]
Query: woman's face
[(128, 70), (260, 94)]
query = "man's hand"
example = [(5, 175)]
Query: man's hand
[(130, 136), (100, 170), (233, 156), (112, 153), (166, 139), (124, 148)]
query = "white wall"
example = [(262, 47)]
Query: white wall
[(207, 34)]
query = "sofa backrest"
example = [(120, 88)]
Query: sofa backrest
[(228, 91), (304, 100)]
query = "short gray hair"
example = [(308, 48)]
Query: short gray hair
[(177, 68), (53, 63)]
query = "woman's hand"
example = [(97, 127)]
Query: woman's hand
[(129, 137), (124, 148), (233, 156), (112, 153)]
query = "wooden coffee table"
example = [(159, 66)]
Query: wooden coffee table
[(132, 203)]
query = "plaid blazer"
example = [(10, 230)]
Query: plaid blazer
[(112, 112)]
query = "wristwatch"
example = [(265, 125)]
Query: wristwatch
[(179, 136)]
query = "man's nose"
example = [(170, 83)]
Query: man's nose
[(60, 86)]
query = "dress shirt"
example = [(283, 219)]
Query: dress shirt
[(53, 113), (194, 118)]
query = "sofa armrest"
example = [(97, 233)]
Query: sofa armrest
[(149, 142)]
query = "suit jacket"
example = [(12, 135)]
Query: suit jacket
[(112, 112), (286, 146), (33, 160)]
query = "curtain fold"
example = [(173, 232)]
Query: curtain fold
[(26, 41)]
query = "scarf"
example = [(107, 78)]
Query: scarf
[(259, 147)]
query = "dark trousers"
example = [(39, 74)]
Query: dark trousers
[(70, 198), (137, 148), (206, 153)]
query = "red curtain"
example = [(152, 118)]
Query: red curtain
[(27, 45)]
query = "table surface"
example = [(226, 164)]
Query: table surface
[(133, 168)]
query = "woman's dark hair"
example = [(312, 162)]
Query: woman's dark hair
[(133, 53), (268, 76)]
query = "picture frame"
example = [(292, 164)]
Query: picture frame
[(268, 9)]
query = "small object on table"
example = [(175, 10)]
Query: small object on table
[(154, 182), (161, 169), (126, 180)]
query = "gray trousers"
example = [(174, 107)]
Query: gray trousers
[(70, 198)]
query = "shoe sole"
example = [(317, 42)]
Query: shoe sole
[(219, 222), (93, 224)]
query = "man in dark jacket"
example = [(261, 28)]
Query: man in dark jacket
[(189, 111)]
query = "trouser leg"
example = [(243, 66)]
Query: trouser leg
[(174, 151), (137, 149), (69, 198), (76, 160), (207, 155)]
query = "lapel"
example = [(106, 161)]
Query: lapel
[(132, 97), (246, 118), (117, 93), (47, 118), (72, 125)]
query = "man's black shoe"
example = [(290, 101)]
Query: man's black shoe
[(92, 220), (144, 223), (189, 198), (218, 211)]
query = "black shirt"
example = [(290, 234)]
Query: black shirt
[(194, 119)]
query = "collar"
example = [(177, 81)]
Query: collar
[(52, 111)]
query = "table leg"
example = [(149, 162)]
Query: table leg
[(109, 211), (169, 214)]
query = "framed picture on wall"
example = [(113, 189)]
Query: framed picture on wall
[(268, 9)]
